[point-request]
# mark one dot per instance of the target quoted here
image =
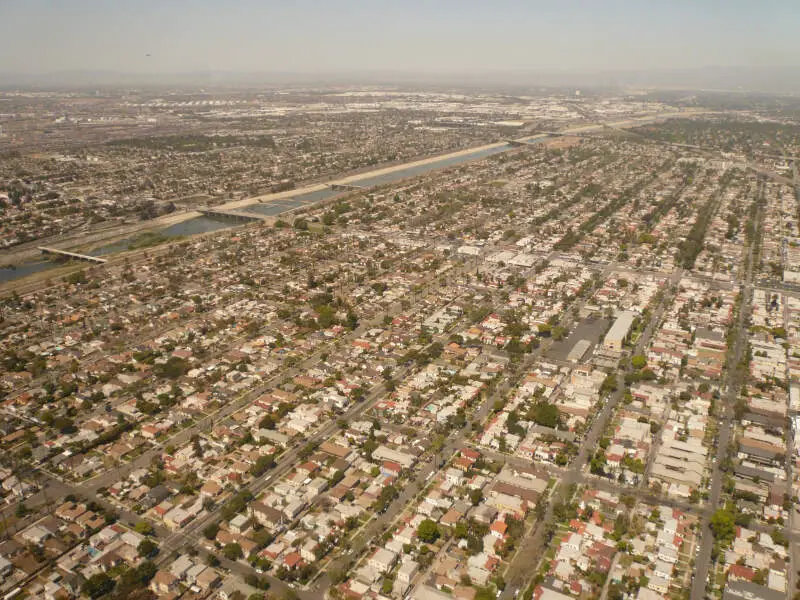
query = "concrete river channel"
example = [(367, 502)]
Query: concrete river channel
[(205, 224)]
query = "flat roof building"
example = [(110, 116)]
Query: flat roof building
[(619, 331), (578, 350)]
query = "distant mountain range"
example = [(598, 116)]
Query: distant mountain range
[(782, 80)]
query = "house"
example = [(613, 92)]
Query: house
[(336, 450), (274, 550), (404, 459), (207, 579), (484, 514), (6, 567), (451, 517), (180, 566), (508, 504), (194, 572), (294, 508), (658, 584), (91, 520), (210, 489), (454, 476), (543, 593), (239, 524), (741, 573), (407, 571), (383, 560), (308, 551), (307, 469), (157, 495), (292, 560), (744, 590), (428, 593), (36, 535), (663, 570), (70, 511), (667, 554), (164, 582), (573, 542), (269, 517), (498, 529), (177, 518), (391, 469)]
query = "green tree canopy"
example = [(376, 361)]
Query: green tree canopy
[(232, 551), (98, 585), (427, 531)]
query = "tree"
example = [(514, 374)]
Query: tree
[(212, 560), (147, 548), (638, 361), (387, 586), (723, 525), (598, 463), (461, 530), (262, 465), (79, 277), (779, 537), (132, 582), (475, 496), (146, 571), (326, 316), (98, 585), (174, 368), (545, 414), (143, 527), (64, 425), (210, 531), (428, 532), (387, 495), (337, 576), (609, 384), (484, 593), (232, 551)]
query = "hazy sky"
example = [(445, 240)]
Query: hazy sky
[(41, 36)]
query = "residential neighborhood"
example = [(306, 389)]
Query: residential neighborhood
[(563, 366)]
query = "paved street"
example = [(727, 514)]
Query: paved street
[(526, 560), (733, 383)]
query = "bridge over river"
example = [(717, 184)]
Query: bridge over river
[(238, 216), (72, 255)]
